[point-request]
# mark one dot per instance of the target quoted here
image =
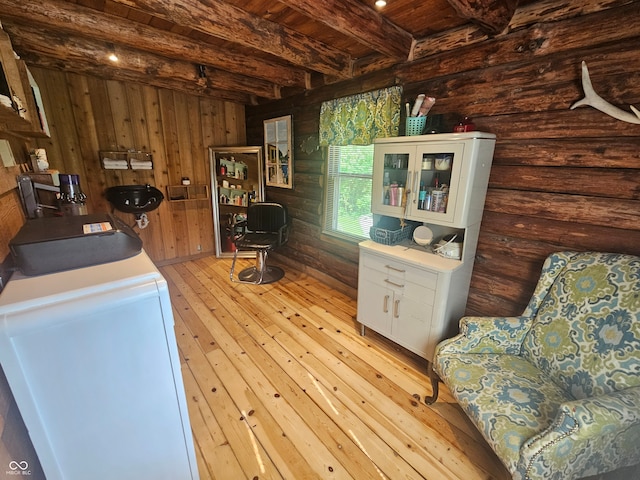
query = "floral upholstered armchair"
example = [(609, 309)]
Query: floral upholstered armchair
[(556, 391)]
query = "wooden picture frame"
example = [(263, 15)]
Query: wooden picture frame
[(278, 152)]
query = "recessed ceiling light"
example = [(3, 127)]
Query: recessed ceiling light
[(111, 54), (381, 3)]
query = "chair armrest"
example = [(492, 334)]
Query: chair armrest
[(614, 411), (502, 335), (605, 427)]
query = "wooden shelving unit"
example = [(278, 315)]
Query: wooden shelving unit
[(185, 193), (126, 160)]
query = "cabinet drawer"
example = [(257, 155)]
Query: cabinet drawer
[(390, 280), (384, 265), (397, 271), (423, 278), (420, 292)]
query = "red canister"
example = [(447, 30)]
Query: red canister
[(466, 125)]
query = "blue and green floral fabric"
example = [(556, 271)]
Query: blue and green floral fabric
[(556, 391)]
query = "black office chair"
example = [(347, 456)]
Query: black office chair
[(266, 228)]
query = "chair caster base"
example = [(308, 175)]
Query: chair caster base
[(252, 275)]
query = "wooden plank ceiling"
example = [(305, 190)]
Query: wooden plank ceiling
[(247, 51)]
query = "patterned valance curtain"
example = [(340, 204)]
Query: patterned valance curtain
[(360, 119)]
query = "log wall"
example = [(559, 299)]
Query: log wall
[(561, 179)]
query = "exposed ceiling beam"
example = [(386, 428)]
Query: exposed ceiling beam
[(246, 56), (68, 17), (230, 23), (493, 16), (70, 53), (354, 19)]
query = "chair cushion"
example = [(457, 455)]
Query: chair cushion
[(257, 241), (508, 398), (586, 334)]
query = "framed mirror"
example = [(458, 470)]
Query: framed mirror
[(278, 152), (236, 181)]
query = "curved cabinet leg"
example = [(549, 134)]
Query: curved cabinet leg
[(435, 382)]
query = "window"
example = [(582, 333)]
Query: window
[(347, 212), (354, 122)]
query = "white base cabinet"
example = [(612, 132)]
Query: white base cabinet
[(410, 296)]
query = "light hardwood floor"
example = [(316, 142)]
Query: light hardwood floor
[(280, 384)]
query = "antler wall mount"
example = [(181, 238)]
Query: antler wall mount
[(592, 99)]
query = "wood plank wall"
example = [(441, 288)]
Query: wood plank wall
[(87, 115), (11, 216), (561, 179)]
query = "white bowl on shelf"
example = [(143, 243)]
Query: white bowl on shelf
[(443, 162), (423, 236)]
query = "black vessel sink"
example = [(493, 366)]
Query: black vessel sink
[(134, 198)]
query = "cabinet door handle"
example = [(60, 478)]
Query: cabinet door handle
[(385, 306), (393, 283), (395, 269), (416, 188), (396, 304)]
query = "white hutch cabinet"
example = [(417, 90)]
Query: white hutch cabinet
[(406, 292)]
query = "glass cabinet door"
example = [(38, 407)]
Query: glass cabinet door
[(391, 174), (418, 182), (236, 181), (436, 178)]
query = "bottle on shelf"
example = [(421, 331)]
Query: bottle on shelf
[(427, 201), (393, 194), (445, 190), (427, 162), (437, 202), (385, 189), (422, 197)]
